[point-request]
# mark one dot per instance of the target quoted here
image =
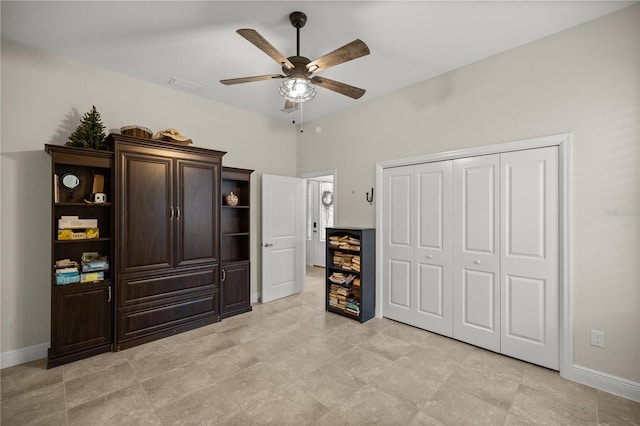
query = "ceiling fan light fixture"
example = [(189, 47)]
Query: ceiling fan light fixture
[(297, 89)]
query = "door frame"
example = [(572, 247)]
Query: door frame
[(310, 175), (564, 142)]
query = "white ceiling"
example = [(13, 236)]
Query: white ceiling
[(196, 41)]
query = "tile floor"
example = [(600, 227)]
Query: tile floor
[(289, 362)]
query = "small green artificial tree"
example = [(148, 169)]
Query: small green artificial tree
[(90, 132)]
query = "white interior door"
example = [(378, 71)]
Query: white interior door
[(476, 265), (398, 297), (433, 247), (282, 237), (529, 261)]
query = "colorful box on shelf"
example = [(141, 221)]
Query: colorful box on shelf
[(73, 222), (89, 277), (66, 278), (85, 234), (95, 265), (94, 261)]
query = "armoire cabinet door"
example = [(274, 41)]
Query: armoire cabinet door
[(197, 212), (84, 319), (145, 212), (235, 288)]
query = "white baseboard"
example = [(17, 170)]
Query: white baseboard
[(606, 382), (255, 297), (20, 356)]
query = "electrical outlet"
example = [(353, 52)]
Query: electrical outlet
[(597, 338)]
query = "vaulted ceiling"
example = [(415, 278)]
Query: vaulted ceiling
[(192, 45)]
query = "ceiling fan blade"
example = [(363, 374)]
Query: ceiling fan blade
[(338, 87), (261, 43), (250, 79), (356, 49)]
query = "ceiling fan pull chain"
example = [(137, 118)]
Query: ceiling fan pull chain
[(301, 120)]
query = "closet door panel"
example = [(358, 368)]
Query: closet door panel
[(398, 244), (478, 300), (529, 262), (433, 252), (476, 258)]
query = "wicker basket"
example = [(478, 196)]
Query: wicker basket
[(136, 131)]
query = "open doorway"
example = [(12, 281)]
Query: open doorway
[(320, 214)]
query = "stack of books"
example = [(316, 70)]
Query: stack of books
[(352, 307), (344, 242), (67, 272), (355, 263), (354, 244), (342, 260), (340, 278), (338, 296)]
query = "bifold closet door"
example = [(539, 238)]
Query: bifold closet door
[(433, 260), (529, 259), (417, 242), (398, 299), (476, 264)]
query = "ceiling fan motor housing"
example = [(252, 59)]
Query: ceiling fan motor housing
[(300, 66), (298, 19)]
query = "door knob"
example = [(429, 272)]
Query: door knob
[(268, 245), (477, 262)]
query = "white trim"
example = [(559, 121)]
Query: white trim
[(565, 239), (255, 297), (520, 145), (20, 356), (333, 172), (565, 231), (607, 382), (305, 176)]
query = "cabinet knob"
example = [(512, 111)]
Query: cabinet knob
[(429, 256), (477, 262)]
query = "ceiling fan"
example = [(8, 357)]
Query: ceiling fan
[(298, 71)]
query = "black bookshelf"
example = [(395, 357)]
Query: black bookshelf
[(351, 258)]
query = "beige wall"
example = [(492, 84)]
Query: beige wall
[(43, 98), (583, 81)]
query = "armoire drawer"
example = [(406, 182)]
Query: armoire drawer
[(166, 318), (137, 289)]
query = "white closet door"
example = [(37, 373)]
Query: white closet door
[(476, 264), (398, 297), (433, 247), (529, 261)]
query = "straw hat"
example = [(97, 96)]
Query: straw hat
[(171, 135)]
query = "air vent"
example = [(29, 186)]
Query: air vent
[(185, 85)]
